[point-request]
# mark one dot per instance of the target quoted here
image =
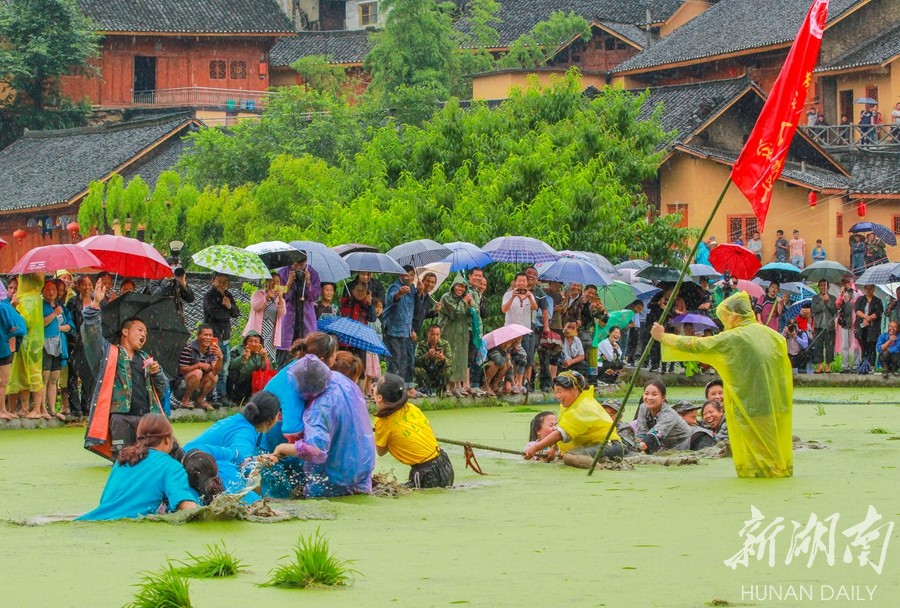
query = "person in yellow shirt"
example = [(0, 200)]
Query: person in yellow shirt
[(582, 424), (403, 430)]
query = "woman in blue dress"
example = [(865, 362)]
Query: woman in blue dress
[(234, 440), (145, 477)]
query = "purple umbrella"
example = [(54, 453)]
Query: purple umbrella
[(694, 319), (520, 250)]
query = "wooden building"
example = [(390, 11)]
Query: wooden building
[(177, 52), (44, 175)]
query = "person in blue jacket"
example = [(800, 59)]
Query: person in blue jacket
[(338, 445), (145, 479), (12, 325), (234, 440)]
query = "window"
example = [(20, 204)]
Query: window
[(839, 224), (895, 220), (238, 70), (368, 14), (217, 70), (872, 91), (681, 209), (741, 227)]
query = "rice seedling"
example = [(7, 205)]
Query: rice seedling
[(879, 431), (313, 565), (820, 410), (165, 589), (217, 562)]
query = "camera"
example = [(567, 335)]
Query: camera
[(521, 291), (792, 327)]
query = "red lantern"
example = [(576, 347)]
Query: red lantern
[(813, 199), (20, 235), (861, 209), (73, 227)]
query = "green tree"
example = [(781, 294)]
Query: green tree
[(115, 207), (134, 205), (531, 49), (40, 41), (91, 215)]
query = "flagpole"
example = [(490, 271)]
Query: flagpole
[(662, 320)]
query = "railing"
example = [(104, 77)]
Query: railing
[(852, 136), (227, 99)]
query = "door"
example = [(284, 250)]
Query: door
[(846, 106), (144, 77)]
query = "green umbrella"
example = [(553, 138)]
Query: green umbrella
[(617, 318), (232, 261), (616, 296)]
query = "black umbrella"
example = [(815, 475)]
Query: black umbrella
[(692, 294), (166, 333), (659, 273)]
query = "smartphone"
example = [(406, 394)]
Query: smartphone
[(215, 341)]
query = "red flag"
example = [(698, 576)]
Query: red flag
[(762, 159)]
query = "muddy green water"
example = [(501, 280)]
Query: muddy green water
[(527, 534)]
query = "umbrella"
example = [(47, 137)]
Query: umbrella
[(866, 100), (633, 264), (594, 258), (779, 271), (644, 292), (275, 254), (888, 290), (3, 243), (51, 258), (466, 256), (441, 271), (753, 290), (419, 253), (354, 333), (738, 261), (831, 271), (659, 273), (504, 334), (573, 270), (166, 333), (360, 261), (692, 294), (695, 319), (127, 257), (618, 295), (330, 266), (343, 250), (880, 230), (882, 274), (794, 309), (704, 270), (520, 250), (617, 318), (796, 288), (233, 261)]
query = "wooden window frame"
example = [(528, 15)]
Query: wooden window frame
[(367, 20), (749, 225), (895, 223), (217, 69), (839, 224), (682, 209), (237, 69)]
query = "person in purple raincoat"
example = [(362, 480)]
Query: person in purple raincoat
[(302, 291)]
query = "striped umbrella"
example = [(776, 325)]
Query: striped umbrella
[(880, 275), (419, 252), (520, 250), (354, 333), (633, 265)]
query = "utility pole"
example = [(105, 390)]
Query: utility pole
[(649, 32)]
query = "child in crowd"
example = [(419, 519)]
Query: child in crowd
[(373, 361), (818, 252), (403, 430), (497, 364), (516, 373), (541, 426), (326, 306)]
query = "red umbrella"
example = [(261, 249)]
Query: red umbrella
[(738, 261), (127, 257), (51, 258), (3, 243)]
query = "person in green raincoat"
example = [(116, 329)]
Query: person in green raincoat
[(26, 375), (454, 318), (753, 363)]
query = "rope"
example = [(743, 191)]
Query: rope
[(480, 446)]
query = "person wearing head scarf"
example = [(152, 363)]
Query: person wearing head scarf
[(753, 362), (454, 317), (337, 446)]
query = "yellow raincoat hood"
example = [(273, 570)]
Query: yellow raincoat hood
[(585, 422), (759, 389)]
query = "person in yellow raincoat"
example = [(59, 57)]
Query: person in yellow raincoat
[(582, 424), (753, 363), (26, 374)]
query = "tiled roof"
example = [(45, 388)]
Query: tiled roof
[(874, 51), (688, 106), (161, 159), (627, 31), (875, 173), (188, 16), (342, 46), (45, 168), (731, 26), (518, 17), (811, 176)]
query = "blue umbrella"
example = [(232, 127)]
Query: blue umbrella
[(520, 250), (354, 333), (797, 290), (866, 100), (633, 264), (880, 230), (466, 256), (594, 258), (573, 270), (794, 309), (644, 292), (779, 271), (419, 252), (364, 261), (704, 270), (330, 266), (882, 274)]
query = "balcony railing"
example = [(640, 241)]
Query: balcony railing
[(852, 136), (226, 99)]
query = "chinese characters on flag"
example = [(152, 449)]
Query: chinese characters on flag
[(763, 157)]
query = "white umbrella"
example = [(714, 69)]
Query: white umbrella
[(441, 271)]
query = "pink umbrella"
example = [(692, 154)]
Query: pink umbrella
[(753, 290), (505, 334), (51, 258), (127, 257)]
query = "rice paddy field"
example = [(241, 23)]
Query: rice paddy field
[(525, 534)]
